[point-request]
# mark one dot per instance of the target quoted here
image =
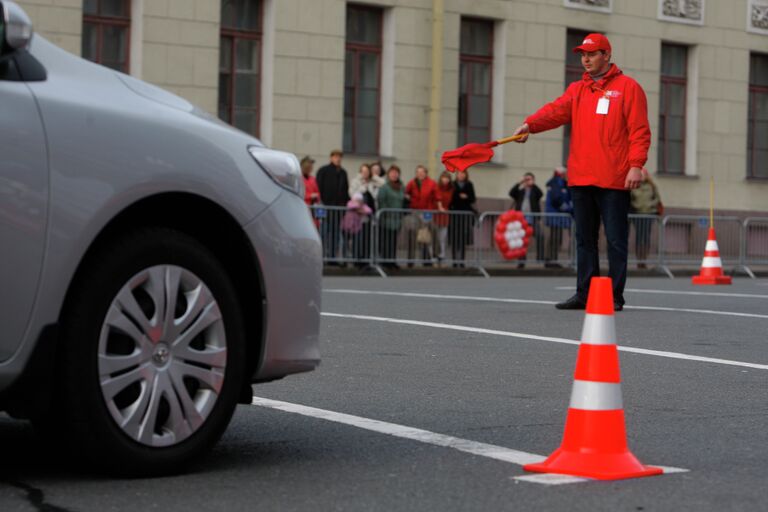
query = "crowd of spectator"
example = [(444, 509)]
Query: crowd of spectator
[(436, 219)]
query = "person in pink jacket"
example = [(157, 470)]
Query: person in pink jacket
[(357, 215)]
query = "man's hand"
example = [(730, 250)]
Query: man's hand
[(522, 129), (635, 177)]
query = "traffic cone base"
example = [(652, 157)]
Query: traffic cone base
[(594, 446), (595, 439), (711, 265), (712, 280)]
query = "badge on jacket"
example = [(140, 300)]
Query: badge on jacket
[(602, 106)]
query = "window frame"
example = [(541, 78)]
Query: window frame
[(664, 82), (232, 35), (470, 60), (357, 48), (100, 21), (753, 89)]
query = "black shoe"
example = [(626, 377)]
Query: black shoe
[(618, 307), (574, 302), (521, 265), (550, 264)]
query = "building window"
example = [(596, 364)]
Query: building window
[(573, 73), (475, 80), (672, 100), (757, 132), (240, 64), (362, 80), (106, 32)]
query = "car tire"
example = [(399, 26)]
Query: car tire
[(186, 383)]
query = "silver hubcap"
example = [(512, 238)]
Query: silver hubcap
[(162, 355)]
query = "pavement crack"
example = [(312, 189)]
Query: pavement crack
[(36, 497)]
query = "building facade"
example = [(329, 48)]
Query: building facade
[(402, 80)]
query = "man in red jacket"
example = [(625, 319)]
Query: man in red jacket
[(421, 192), (609, 146)]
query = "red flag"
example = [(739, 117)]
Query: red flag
[(466, 156)]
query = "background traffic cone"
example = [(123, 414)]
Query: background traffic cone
[(595, 441), (711, 266)]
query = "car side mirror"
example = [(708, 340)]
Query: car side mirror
[(15, 26)]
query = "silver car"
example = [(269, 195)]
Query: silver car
[(155, 261)]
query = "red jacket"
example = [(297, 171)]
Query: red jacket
[(603, 147), (446, 197), (310, 187), (424, 197)]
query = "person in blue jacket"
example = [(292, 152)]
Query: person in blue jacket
[(558, 200)]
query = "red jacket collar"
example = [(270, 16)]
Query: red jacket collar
[(612, 73)]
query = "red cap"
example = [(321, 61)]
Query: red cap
[(592, 43)]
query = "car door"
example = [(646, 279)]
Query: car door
[(23, 210)]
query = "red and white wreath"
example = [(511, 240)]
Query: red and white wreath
[(512, 235)]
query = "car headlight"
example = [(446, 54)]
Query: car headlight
[(282, 167)]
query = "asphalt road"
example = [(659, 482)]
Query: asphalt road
[(709, 416)]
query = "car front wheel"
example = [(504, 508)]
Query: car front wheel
[(153, 353)]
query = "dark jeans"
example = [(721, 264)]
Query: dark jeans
[(554, 242), (643, 228), (590, 205), (388, 244), (537, 240), (330, 232)]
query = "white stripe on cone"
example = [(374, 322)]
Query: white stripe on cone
[(598, 330), (711, 262), (711, 245), (596, 396)]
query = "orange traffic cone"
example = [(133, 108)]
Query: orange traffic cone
[(711, 266), (595, 441)]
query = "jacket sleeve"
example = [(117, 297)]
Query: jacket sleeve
[(637, 126), (513, 192), (345, 185), (539, 196), (321, 188), (471, 198), (553, 114)]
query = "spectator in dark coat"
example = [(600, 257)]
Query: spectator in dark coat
[(558, 202), (527, 199), (461, 227), (334, 191)]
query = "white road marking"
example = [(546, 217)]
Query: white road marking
[(565, 341), (675, 292), (489, 451), (548, 302)]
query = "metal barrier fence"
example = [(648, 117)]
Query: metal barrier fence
[(426, 237), (754, 243), (551, 242), (684, 237), (644, 244), (347, 235), (394, 237)]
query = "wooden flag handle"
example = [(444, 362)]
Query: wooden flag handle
[(511, 138)]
